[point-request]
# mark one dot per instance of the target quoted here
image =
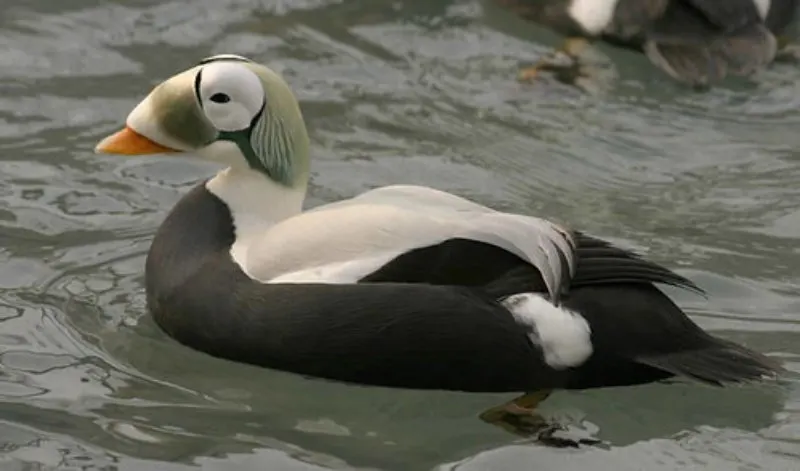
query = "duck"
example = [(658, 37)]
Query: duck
[(401, 286), (696, 42)]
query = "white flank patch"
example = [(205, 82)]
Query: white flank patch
[(763, 7), (337, 273), (594, 15), (564, 336)]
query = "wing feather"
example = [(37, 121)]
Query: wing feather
[(542, 243), (419, 198), (601, 262), (347, 240)]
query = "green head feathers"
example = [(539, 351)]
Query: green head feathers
[(228, 109)]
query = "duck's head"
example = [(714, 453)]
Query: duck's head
[(227, 109)]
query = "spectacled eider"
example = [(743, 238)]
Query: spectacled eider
[(401, 286)]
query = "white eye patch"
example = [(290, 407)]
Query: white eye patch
[(231, 95)]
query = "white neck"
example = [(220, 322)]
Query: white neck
[(256, 203)]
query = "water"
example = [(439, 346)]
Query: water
[(414, 91)]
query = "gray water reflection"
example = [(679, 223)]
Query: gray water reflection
[(394, 92)]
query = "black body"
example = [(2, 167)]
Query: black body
[(430, 319)]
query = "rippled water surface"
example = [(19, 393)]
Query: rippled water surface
[(394, 91)]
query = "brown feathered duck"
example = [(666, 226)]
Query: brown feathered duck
[(401, 286), (697, 42)]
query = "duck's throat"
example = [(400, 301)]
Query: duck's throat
[(256, 203)]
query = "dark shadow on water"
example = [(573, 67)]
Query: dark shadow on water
[(207, 407)]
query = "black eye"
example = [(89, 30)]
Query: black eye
[(220, 98)]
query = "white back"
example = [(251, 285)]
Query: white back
[(376, 226)]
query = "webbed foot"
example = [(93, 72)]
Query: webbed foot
[(563, 62), (519, 417)]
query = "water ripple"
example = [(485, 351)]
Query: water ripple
[(394, 91)]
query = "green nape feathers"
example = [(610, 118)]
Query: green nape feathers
[(277, 138)]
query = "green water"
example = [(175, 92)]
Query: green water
[(415, 91)]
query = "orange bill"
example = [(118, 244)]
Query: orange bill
[(129, 142)]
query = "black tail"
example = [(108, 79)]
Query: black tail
[(639, 334), (721, 362)]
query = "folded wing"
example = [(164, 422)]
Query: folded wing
[(347, 241)]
